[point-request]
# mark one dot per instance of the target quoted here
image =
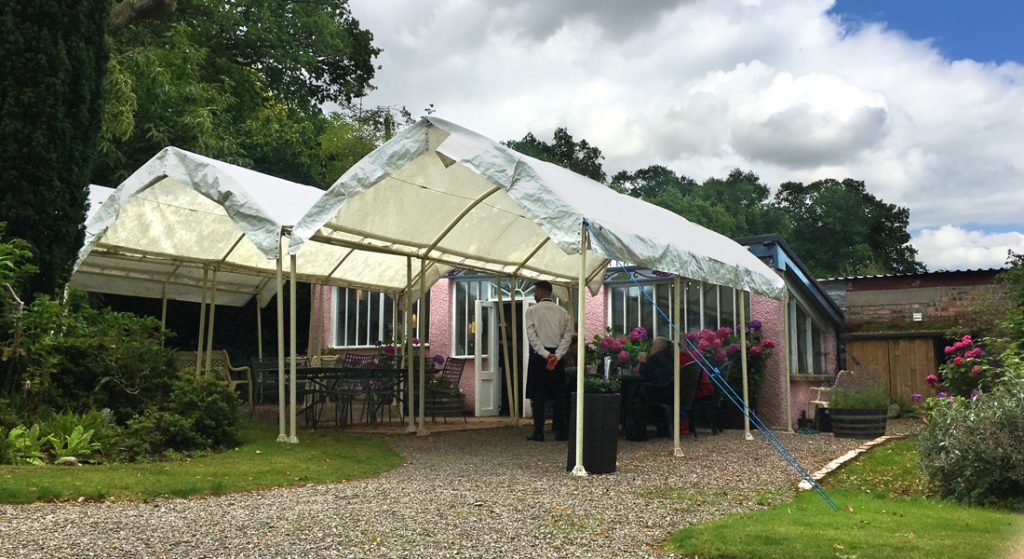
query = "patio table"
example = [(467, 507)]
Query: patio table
[(342, 385)]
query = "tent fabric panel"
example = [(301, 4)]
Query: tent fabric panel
[(132, 287)]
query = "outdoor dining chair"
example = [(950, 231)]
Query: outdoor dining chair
[(443, 394)]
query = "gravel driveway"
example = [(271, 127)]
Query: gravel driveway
[(487, 493)]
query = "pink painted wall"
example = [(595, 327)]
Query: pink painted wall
[(595, 317), (771, 404)]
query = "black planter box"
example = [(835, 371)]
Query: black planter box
[(858, 423), (600, 433)]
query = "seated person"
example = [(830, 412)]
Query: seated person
[(657, 371)]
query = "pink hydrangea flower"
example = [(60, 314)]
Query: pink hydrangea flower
[(958, 360), (723, 332), (623, 340), (693, 337), (623, 356), (703, 346), (950, 349), (720, 356), (616, 345), (932, 380), (756, 350), (638, 333), (768, 343), (605, 343)]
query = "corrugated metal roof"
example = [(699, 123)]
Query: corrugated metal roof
[(996, 270)]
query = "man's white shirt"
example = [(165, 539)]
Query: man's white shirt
[(548, 325)]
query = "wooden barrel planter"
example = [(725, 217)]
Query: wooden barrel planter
[(858, 423)]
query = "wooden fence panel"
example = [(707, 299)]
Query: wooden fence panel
[(910, 361)]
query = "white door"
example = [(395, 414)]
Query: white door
[(488, 387), (527, 303)]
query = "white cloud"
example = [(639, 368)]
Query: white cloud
[(951, 248), (784, 89)]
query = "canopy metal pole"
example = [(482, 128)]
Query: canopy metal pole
[(213, 312), (292, 438), (202, 325), (504, 345), (259, 330), (282, 436), (743, 366), (515, 353), (423, 357), (407, 346), (785, 368), (163, 313), (676, 340), (578, 469)]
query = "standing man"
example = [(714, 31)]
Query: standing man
[(549, 333)]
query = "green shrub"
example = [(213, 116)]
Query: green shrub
[(198, 414), (77, 444), (598, 385), (24, 446), (10, 417), (973, 450), (77, 358), (100, 423)]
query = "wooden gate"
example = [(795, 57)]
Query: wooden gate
[(901, 364)]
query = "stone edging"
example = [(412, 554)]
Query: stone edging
[(838, 462)]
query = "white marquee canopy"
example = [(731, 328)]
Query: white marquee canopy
[(443, 193)]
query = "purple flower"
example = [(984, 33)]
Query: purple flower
[(378, 343), (439, 359), (916, 397), (941, 395), (415, 341), (638, 333), (975, 393), (733, 348), (952, 398), (623, 356), (720, 357), (755, 324)]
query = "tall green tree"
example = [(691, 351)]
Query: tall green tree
[(53, 58), (839, 228), (563, 150), (243, 81)]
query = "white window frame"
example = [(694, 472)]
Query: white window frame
[(340, 294), (814, 321)]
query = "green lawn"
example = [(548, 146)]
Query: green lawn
[(259, 462), (884, 513)]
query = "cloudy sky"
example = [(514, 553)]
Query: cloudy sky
[(923, 100)]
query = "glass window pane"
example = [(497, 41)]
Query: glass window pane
[(710, 306), (647, 308), (485, 343), (727, 304), (801, 341), (424, 324), (350, 315), (618, 322), (819, 354), (692, 306), (373, 318), (664, 299), (632, 309), (474, 294), (388, 334)]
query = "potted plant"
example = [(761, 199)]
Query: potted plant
[(859, 410), (600, 425)]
